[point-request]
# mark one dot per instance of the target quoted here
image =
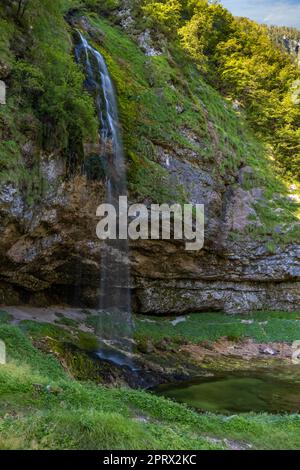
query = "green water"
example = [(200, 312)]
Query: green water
[(271, 391)]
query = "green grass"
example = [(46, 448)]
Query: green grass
[(42, 408), (39, 402), (266, 327), (5, 317), (150, 91)]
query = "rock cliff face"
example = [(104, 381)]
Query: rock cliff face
[(50, 254)]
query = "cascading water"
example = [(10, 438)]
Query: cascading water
[(115, 319)]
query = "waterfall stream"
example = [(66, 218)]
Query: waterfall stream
[(115, 319)]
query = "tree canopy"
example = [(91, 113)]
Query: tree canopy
[(242, 59)]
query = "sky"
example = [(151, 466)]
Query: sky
[(277, 12)]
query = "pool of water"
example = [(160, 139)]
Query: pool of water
[(271, 391)]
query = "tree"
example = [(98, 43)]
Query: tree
[(208, 25), (164, 15)]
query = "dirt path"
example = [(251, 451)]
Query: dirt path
[(50, 315)]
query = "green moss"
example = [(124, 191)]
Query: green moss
[(46, 100), (39, 403), (150, 92), (5, 317), (6, 34), (67, 322), (148, 179), (87, 341)]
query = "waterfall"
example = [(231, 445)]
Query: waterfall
[(115, 319)]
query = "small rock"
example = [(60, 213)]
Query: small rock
[(178, 320), (145, 347), (247, 322), (54, 390), (39, 387), (179, 109), (145, 43), (236, 106), (142, 419), (245, 172), (278, 229), (269, 351), (257, 193), (163, 345), (235, 445)]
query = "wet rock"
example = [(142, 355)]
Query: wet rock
[(178, 320), (5, 69), (83, 23)]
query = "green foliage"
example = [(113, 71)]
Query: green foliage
[(164, 14), (39, 402), (99, 6), (20, 349), (46, 89), (150, 90), (69, 108), (6, 33), (208, 25), (241, 56), (28, 79), (37, 407), (261, 77)]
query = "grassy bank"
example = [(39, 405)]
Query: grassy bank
[(44, 407), (261, 327)]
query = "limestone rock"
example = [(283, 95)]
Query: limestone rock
[(50, 253), (145, 43), (240, 211)]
